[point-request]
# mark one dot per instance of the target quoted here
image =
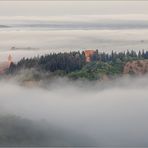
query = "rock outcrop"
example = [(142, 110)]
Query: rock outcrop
[(138, 67)]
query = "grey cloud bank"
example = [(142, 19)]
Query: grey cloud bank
[(63, 40), (110, 113), (75, 32)]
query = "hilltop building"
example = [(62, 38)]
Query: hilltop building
[(9, 59), (88, 55)]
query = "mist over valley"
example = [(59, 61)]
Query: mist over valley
[(73, 74), (78, 114)]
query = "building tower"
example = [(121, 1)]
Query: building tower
[(88, 55), (9, 59)]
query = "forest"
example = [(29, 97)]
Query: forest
[(75, 66)]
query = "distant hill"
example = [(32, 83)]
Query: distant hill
[(4, 26), (88, 64), (5, 65)]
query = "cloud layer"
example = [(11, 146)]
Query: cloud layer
[(110, 113)]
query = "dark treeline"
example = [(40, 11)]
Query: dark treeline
[(73, 61), (66, 62), (121, 56)]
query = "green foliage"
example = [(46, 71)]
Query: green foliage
[(96, 70), (74, 66)]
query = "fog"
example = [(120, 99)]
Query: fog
[(59, 111), (75, 32), (67, 40), (81, 113), (60, 41)]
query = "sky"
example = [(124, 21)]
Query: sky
[(48, 8), (73, 25)]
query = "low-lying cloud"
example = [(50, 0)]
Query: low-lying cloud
[(68, 40), (81, 113)]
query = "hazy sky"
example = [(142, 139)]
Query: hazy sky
[(44, 16), (47, 8)]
